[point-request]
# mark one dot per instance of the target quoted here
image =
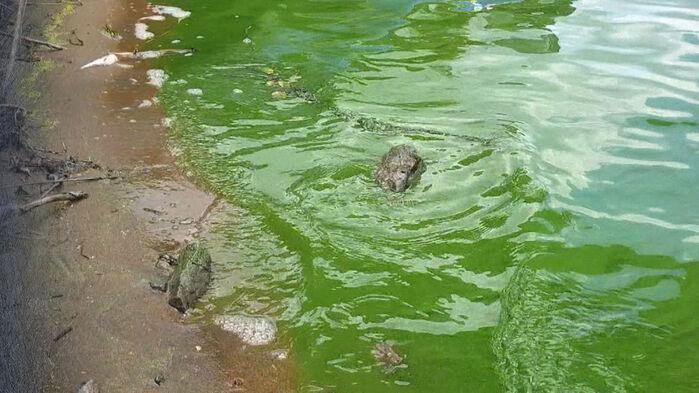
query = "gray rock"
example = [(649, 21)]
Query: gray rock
[(159, 284), (191, 277), (89, 387), (400, 167)]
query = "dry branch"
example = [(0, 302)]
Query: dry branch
[(35, 41), (64, 197)]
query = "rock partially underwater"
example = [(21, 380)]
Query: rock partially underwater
[(251, 330), (399, 168), (191, 277), (387, 356)]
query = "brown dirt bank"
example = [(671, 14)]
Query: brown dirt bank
[(93, 314)]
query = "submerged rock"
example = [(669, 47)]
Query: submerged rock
[(251, 330), (385, 354), (400, 167), (191, 277)]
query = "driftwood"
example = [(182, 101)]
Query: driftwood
[(64, 197), (35, 41)]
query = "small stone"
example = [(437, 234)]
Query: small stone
[(279, 354), (278, 94), (159, 379), (159, 284), (89, 387)]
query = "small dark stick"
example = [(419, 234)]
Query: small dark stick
[(63, 333)]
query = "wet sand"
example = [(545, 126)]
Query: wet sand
[(93, 314)]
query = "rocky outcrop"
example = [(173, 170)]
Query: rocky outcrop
[(191, 277)]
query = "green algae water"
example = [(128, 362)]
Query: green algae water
[(552, 243)]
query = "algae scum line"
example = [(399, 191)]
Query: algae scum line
[(546, 246)]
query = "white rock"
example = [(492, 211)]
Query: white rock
[(251, 330), (141, 32), (102, 61), (175, 12), (157, 18), (156, 77)]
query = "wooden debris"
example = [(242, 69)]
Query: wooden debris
[(72, 196), (35, 41)]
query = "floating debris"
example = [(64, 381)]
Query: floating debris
[(251, 330), (195, 92)]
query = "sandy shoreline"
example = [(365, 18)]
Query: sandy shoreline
[(90, 271)]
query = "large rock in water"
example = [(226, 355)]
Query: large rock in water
[(191, 277), (399, 168)]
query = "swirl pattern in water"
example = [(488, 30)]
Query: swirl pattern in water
[(550, 244)]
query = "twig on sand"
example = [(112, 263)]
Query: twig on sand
[(50, 190), (64, 197), (63, 333), (35, 41)]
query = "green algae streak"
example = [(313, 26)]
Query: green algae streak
[(550, 246)]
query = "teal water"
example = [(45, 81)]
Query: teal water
[(552, 243)]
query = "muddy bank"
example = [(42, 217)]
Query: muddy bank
[(87, 308)]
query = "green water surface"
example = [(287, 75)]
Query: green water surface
[(550, 246)]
